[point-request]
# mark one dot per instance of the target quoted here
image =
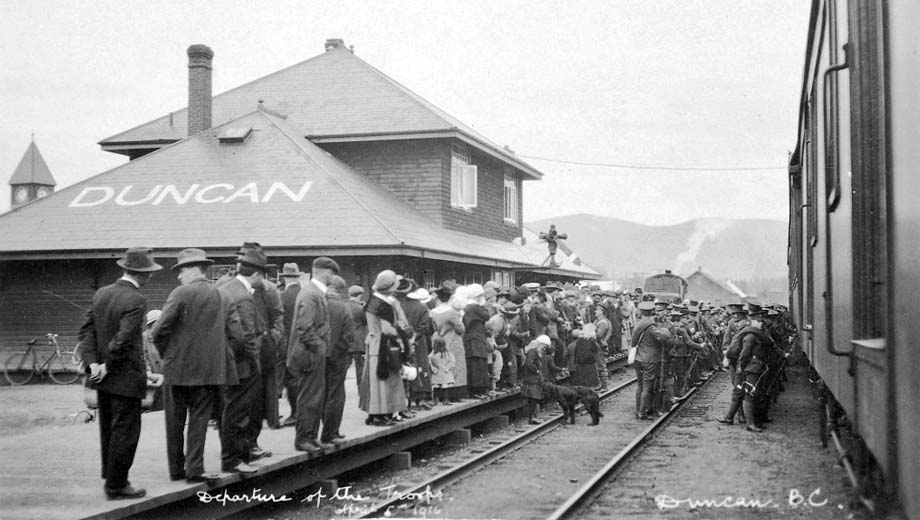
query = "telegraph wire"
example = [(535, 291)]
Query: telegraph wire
[(647, 167)]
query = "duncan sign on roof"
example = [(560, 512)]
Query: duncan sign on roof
[(275, 185)]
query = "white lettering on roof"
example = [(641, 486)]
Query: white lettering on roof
[(296, 197), (170, 189), (159, 194), (250, 190), (78, 201), (199, 197), (120, 199)]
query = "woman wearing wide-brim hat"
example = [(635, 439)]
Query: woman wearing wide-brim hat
[(381, 397)]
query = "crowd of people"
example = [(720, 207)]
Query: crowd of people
[(226, 351)]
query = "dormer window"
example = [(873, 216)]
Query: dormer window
[(463, 179)]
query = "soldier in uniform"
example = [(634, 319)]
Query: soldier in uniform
[(754, 342), (651, 340), (731, 348)]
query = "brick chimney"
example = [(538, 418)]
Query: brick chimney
[(199, 88)]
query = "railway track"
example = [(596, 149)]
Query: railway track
[(528, 475)]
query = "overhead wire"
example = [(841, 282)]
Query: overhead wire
[(649, 167)]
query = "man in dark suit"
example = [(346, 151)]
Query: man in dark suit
[(356, 308), (291, 274), (113, 354), (307, 348), (191, 336), (240, 399), (270, 312), (341, 339)]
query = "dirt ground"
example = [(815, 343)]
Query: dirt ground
[(36, 406)]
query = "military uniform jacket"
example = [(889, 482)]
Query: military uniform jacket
[(192, 336), (650, 340), (112, 335), (310, 332), (754, 346)]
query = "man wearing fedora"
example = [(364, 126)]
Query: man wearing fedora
[(290, 274), (192, 338), (241, 400), (308, 345), (113, 354)]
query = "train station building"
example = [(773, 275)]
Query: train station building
[(327, 157)]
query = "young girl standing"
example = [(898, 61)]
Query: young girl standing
[(442, 364)]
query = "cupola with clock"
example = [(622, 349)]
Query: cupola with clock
[(32, 179)]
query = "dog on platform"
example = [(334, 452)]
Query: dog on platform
[(569, 396)]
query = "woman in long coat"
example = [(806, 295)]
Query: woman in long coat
[(585, 359), (448, 325), (381, 398), (476, 343)]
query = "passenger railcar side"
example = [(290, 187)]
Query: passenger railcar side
[(854, 233)]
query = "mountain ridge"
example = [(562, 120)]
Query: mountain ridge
[(726, 248)]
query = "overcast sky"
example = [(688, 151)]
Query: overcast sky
[(644, 83)]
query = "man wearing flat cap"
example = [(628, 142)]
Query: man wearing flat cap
[(241, 400), (112, 349), (193, 338), (308, 346)]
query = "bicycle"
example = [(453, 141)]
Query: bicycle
[(62, 366)]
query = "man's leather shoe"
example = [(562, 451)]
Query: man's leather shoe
[(258, 453), (309, 446), (726, 421), (326, 445), (126, 493), (241, 468), (339, 436), (204, 477), (755, 429), (177, 477), (290, 421)]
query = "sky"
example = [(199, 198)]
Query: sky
[(708, 88)]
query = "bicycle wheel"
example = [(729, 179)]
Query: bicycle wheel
[(18, 369), (63, 368)]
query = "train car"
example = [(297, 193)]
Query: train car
[(854, 236), (666, 286)]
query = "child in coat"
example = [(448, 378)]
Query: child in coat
[(442, 364)]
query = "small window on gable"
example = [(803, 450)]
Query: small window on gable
[(511, 197), (463, 179)]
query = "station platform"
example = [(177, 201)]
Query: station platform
[(54, 473)]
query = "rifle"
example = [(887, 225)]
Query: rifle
[(661, 393)]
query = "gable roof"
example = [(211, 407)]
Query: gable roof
[(32, 169), (334, 96), (726, 286), (274, 186)]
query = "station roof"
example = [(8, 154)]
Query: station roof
[(32, 169), (332, 97), (254, 178)]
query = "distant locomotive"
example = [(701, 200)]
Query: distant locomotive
[(854, 234), (666, 286)]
